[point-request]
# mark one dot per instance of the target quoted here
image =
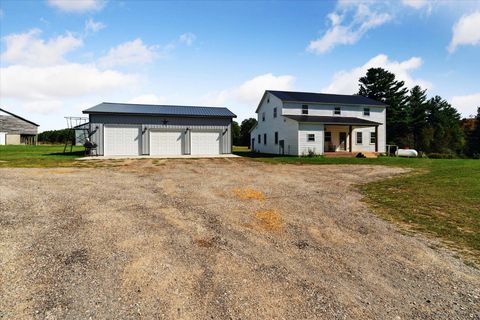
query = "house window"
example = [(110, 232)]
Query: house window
[(264, 138), (274, 112), (359, 138), (328, 136), (259, 139), (263, 116), (373, 138), (305, 109), (366, 111), (276, 137), (337, 110), (268, 100), (310, 137)]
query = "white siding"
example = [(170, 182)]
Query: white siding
[(287, 129), (304, 145), (377, 114)]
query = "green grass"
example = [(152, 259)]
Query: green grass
[(38, 156), (440, 197)]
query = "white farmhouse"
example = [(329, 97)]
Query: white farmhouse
[(301, 123)]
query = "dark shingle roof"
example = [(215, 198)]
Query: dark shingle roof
[(161, 110), (325, 98), (333, 120)]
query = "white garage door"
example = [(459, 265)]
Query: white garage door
[(3, 138), (205, 143), (122, 140), (166, 143)]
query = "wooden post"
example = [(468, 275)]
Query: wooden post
[(376, 138), (350, 138)]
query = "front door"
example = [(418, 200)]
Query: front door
[(343, 141)]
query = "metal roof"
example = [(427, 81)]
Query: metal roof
[(311, 97), (18, 117), (160, 110), (333, 120)]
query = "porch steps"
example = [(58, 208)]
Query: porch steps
[(370, 154), (340, 154)]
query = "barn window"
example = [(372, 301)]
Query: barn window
[(311, 137), (274, 112), (263, 116), (373, 138), (337, 111), (366, 111)]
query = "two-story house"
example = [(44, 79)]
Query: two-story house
[(299, 123)]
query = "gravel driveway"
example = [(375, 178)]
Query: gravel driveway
[(215, 238)]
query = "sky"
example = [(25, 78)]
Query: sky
[(59, 57)]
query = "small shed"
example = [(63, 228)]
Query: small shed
[(16, 130)]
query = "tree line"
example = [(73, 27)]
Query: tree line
[(56, 136), (431, 125)]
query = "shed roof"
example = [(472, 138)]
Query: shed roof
[(18, 117), (333, 120), (326, 98), (160, 110)]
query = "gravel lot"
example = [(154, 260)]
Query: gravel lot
[(215, 238)]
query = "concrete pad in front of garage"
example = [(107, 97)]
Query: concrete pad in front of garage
[(185, 156)]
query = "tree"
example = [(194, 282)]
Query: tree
[(245, 128), (417, 115), (381, 85), (235, 133), (444, 121), (472, 135)]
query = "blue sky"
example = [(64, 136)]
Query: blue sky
[(59, 57)]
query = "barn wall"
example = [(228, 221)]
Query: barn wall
[(97, 123)]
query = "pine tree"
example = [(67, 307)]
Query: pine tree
[(417, 115), (381, 85)]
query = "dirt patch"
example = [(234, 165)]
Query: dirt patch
[(249, 193), (270, 220), (215, 238)]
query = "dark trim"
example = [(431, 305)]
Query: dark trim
[(333, 120), (18, 117), (160, 115), (350, 138), (376, 138)]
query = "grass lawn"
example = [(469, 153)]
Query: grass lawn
[(440, 198), (38, 156)]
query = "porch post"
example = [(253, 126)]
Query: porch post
[(350, 138), (376, 138)]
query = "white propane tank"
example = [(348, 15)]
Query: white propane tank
[(406, 153)]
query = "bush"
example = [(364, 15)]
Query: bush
[(476, 156), (441, 156), (310, 153)]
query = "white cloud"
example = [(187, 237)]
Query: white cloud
[(148, 99), (348, 24), (346, 82), (27, 48), (132, 52), (250, 92), (44, 107), (417, 4), (66, 80), (93, 26), (466, 105), (187, 38), (466, 31), (78, 6)]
